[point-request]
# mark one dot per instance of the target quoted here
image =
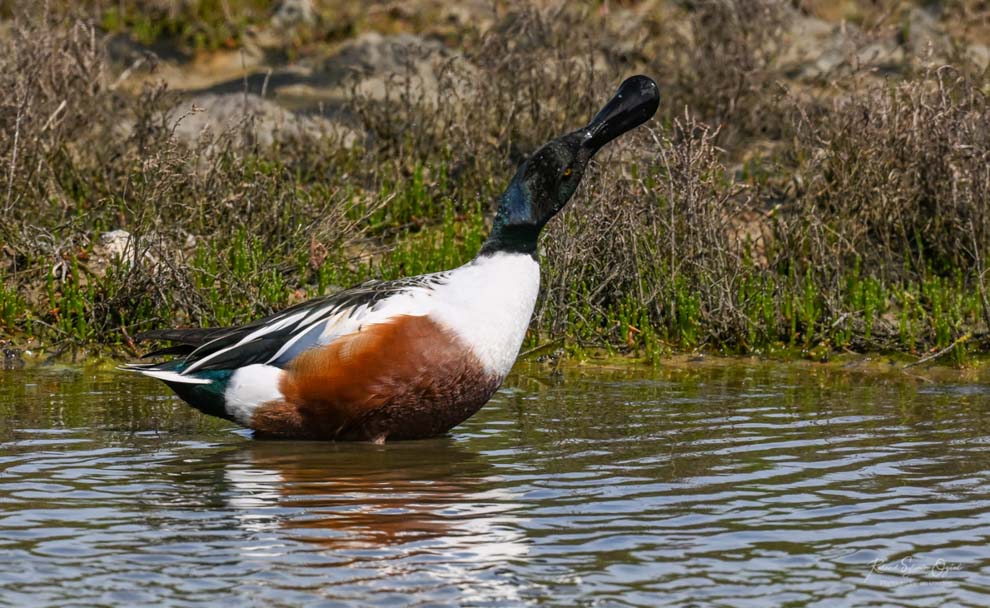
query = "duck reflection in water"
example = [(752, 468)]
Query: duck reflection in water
[(429, 492)]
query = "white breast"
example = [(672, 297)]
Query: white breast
[(488, 304)]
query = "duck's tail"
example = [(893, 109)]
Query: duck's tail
[(187, 339), (204, 391), (167, 372)]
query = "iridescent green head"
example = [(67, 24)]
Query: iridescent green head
[(546, 181)]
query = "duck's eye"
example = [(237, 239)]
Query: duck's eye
[(568, 171)]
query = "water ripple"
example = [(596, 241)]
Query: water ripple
[(731, 487)]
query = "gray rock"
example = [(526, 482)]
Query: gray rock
[(115, 246), (12, 358), (884, 54), (313, 97), (818, 49), (292, 13), (921, 34), (812, 47), (251, 118), (376, 64), (979, 54)]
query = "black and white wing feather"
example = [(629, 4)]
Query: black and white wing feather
[(279, 338)]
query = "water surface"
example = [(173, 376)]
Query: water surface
[(732, 486)]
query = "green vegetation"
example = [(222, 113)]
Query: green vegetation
[(200, 25), (756, 216)]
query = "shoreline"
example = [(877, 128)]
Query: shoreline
[(891, 366)]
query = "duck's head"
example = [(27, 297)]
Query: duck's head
[(546, 181)]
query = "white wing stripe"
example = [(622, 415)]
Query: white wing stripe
[(265, 329), (173, 377), (315, 316), (297, 337)]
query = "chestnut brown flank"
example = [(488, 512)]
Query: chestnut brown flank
[(403, 379)]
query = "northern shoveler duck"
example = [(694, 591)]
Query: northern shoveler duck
[(397, 359)]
